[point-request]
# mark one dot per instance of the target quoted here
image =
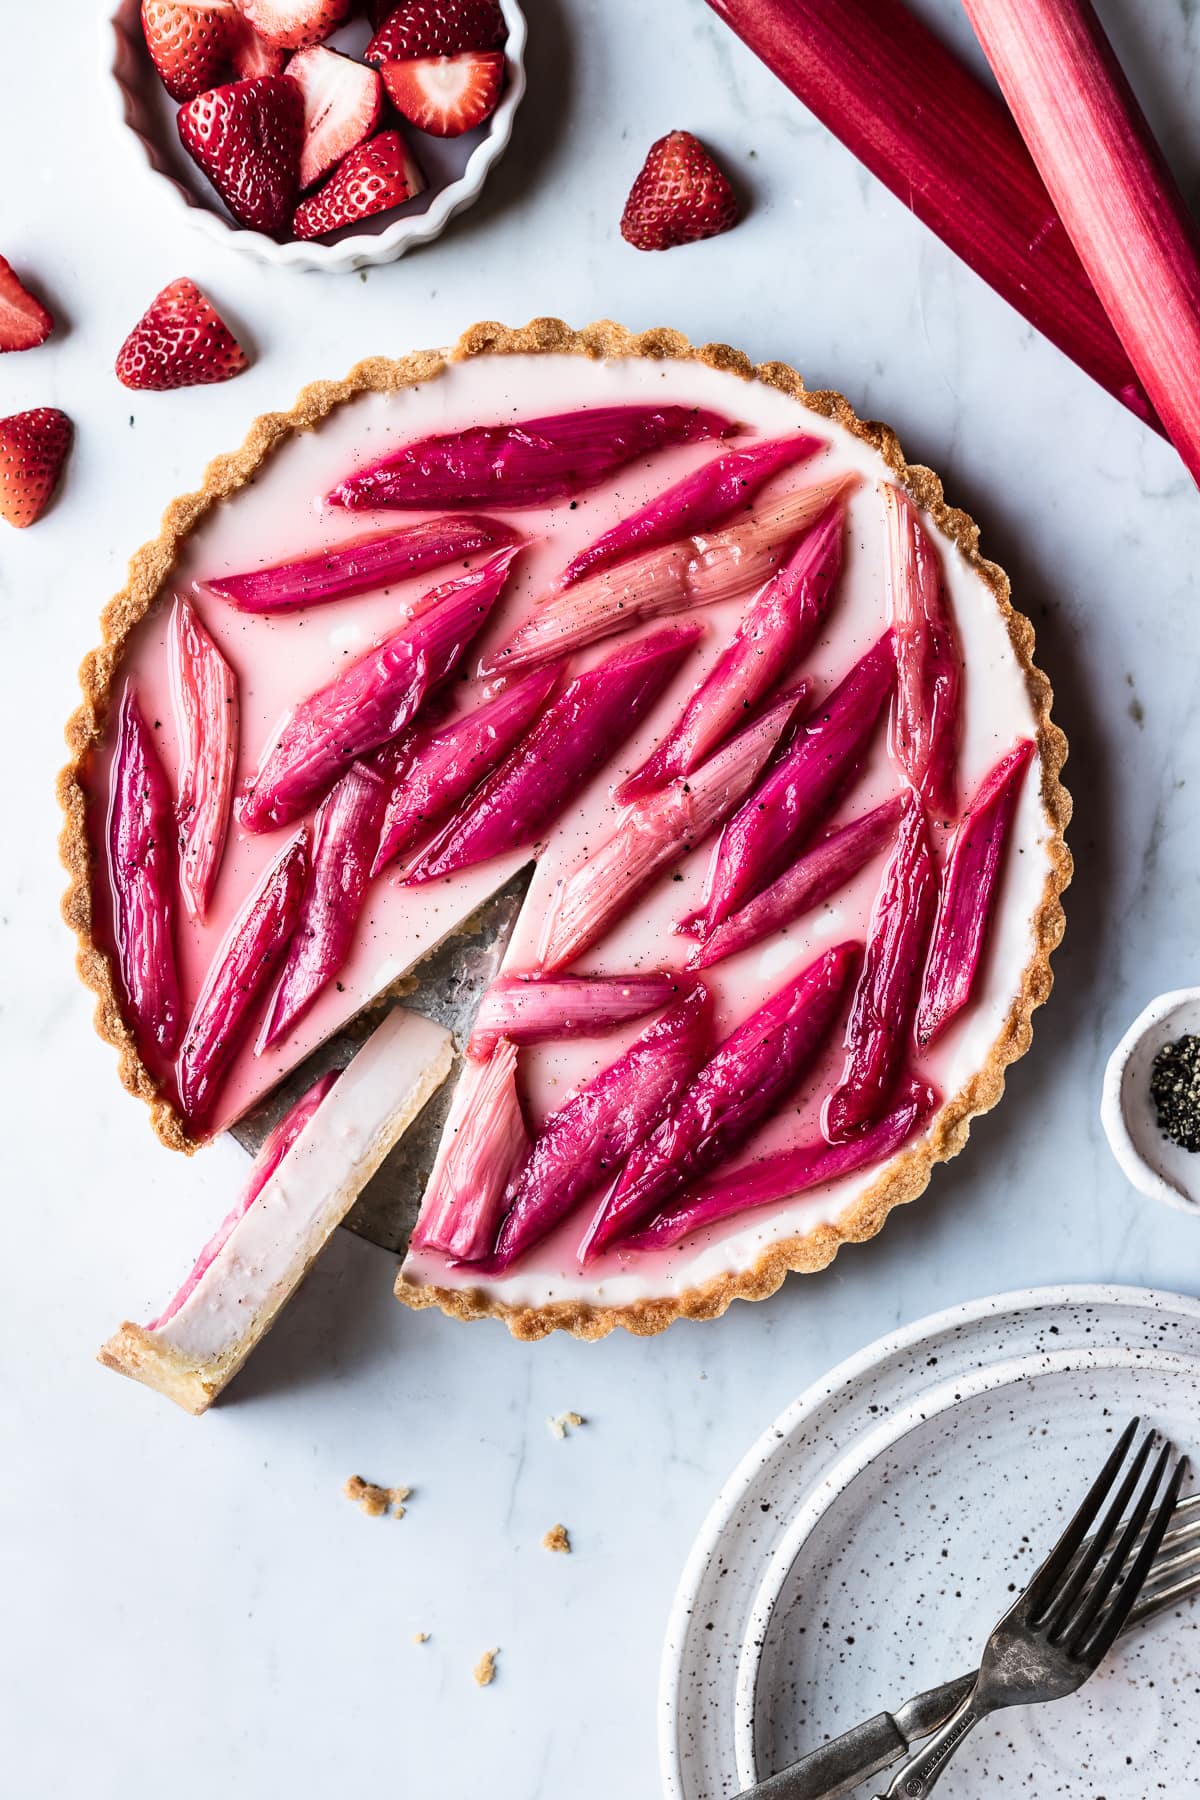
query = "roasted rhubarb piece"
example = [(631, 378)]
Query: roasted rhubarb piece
[(820, 872), (345, 836), (879, 1028), (530, 463), (360, 565), (484, 1147), (141, 870), (970, 883), (796, 791), (535, 1009), (654, 833), (578, 731), (371, 701), (592, 1133), (259, 1257), (695, 571), (926, 723), (778, 627), (205, 695), (240, 973), (752, 1073), (700, 502), (440, 768), (788, 1173)]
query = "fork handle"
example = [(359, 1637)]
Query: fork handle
[(916, 1777)]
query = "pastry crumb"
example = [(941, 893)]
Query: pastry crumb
[(559, 1425), (375, 1500), (420, 1637), (556, 1539), (485, 1669)]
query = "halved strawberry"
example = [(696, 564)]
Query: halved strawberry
[(33, 448), (24, 321), (179, 341), (680, 195), (342, 104), (446, 95), (190, 42), (435, 28), (253, 55), (246, 138), (379, 174), (294, 24)]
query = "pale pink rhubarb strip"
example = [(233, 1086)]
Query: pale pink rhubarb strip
[(926, 721), (141, 870), (529, 463), (359, 566), (879, 1029), (778, 628), (484, 1147), (970, 883), (702, 501), (204, 691), (535, 1009)]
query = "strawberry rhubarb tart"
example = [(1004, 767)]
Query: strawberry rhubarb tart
[(699, 650)]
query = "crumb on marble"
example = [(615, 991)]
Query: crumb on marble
[(556, 1539), (559, 1425), (485, 1668), (374, 1500), (420, 1637)]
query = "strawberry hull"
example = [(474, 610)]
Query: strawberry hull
[(205, 695), (141, 865), (535, 1009), (484, 1148), (926, 722)]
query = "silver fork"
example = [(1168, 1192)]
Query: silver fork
[(1064, 1624)]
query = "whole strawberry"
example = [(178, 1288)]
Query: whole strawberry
[(680, 196), (33, 448), (246, 137), (190, 42), (437, 28), (180, 341)]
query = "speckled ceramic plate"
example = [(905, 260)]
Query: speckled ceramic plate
[(867, 1543)]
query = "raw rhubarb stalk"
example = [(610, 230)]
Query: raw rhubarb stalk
[(695, 571), (589, 1137), (345, 836), (205, 696), (822, 871), (926, 721), (789, 802), (1119, 201), (531, 463), (484, 1147), (440, 768), (239, 975), (371, 701), (360, 565), (536, 1009), (578, 731), (700, 502), (879, 1028), (778, 627), (654, 833), (751, 1074), (941, 141), (141, 869), (788, 1173), (970, 882)]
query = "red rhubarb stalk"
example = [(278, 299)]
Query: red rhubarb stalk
[(700, 502), (141, 869), (578, 731), (789, 802), (359, 566), (926, 721), (932, 132), (205, 695), (752, 1073), (370, 702), (531, 463), (885, 1001), (970, 883), (1119, 201), (788, 1173), (238, 977), (536, 1009), (484, 1147), (778, 627), (822, 871)]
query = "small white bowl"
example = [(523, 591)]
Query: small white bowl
[(1152, 1162), (455, 167)]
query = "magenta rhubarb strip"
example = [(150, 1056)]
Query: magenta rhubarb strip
[(879, 1029), (360, 565), (371, 701), (535, 1009), (576, 734), (204, 692), (752, 1073), (530, 463), (970, 883), (787, 1174), (926, 720), (484, 1148), (142, 872)]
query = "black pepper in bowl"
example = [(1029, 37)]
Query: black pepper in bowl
[(1175, 1091)]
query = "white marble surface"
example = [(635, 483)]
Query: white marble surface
[(194, 1603)]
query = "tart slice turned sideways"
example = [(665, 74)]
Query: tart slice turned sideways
[(704, 649)]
